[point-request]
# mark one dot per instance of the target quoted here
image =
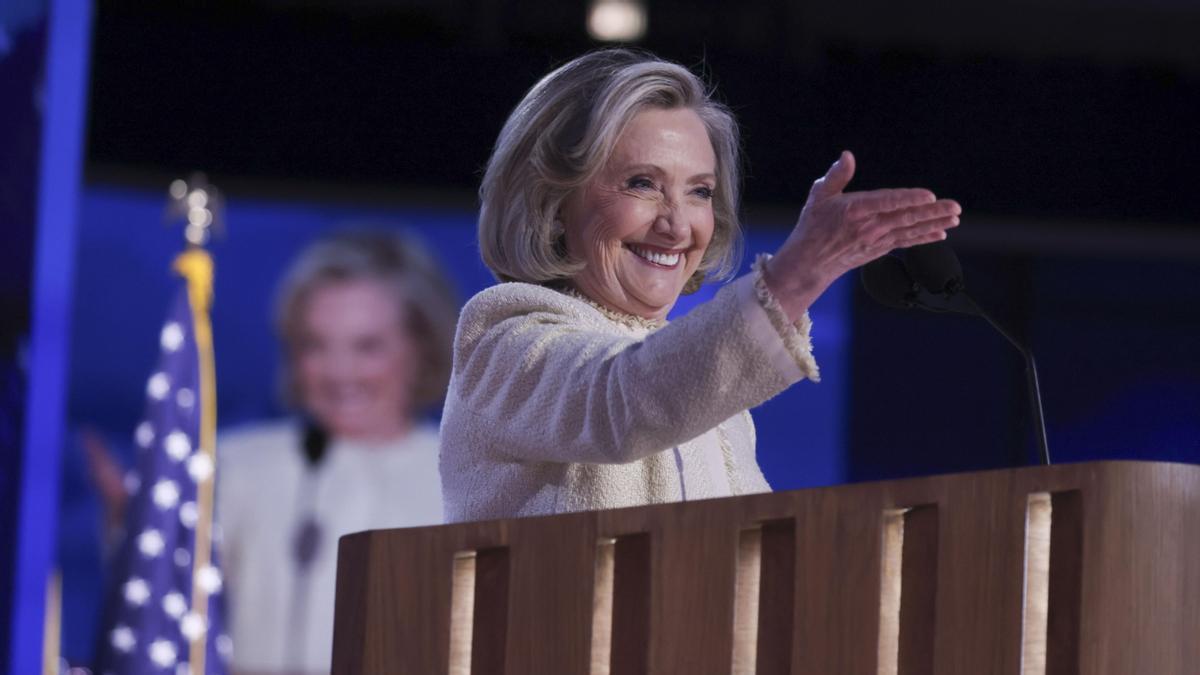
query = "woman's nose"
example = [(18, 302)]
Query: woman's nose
[(671, 221)]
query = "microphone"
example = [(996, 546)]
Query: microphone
[(308, 536), (307, 539), (887, 281), (930, 277), (935, 267), (314, 444)]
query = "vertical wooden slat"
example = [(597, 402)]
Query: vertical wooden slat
[(837, 552), (551, 571), (1139, 545), (980, 575), (1066, 564), (693, 584), (350, 631), (631, 605), (919, 575), (384, 574), (777, 598), (490, 622)]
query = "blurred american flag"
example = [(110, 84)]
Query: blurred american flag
[(151, 624)]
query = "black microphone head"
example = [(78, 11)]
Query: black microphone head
[(935, 267), (314, 443), (888, 282)]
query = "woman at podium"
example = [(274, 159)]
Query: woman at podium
[(611, 190)]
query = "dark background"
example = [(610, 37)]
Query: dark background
[(413, 93)]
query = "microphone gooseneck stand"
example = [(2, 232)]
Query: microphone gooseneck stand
[(1032, 388), (305, 542), (932, 280)]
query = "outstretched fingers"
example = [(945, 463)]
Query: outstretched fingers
[(882, 223), (835, 179), (921, 233), (885, 201)]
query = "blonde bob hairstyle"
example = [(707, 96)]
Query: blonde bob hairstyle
[(562, 134), (427, 301)]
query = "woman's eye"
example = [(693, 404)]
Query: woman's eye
[(640, 183), (703, 192)]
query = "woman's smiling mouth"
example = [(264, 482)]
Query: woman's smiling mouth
[(655, 257)]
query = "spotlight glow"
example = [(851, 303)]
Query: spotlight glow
[(617, 20)]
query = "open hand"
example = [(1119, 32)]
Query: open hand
[(838, 231)]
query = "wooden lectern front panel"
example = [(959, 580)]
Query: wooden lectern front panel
[(1089, 568)]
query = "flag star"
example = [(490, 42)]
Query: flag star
[(158, 386), (225, 645), (162, 653), (209, 579), (150, 543), (144, 434), (172, 336), (192, 626), (182, 557), (182, 668), (166, 494), (174, 604), (188, 515), (122, 639), (177, 445), (137, 592), (185, 398), (200, 467)]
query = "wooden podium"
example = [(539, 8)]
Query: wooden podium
[(1084, 568)]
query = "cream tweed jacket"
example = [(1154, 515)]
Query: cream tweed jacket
[(557, 404)]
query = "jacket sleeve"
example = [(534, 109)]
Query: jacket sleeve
[(535, 381)]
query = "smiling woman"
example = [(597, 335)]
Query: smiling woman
[(613, 189), (643, 224), (366, 321)]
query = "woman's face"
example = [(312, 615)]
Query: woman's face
[(355, 361), (643, 224)]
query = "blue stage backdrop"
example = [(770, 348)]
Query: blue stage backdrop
[(122, 280)]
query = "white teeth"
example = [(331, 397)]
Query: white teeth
[(665, 259)]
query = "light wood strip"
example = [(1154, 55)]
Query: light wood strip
[(462, 612), (890, 588), (1038, 517), (602, 607), (745, 602)]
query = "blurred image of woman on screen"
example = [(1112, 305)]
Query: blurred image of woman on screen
[(366, 321)]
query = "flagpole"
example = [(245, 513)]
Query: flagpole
[(200, 204), (196, 266), (52, 644)]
